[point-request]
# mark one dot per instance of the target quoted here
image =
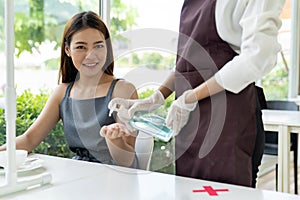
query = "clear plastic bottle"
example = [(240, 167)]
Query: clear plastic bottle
[(151, 124)]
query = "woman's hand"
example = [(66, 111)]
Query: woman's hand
[(114, 131), (120, 143)]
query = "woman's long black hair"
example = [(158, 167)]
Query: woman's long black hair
[(79, 22)]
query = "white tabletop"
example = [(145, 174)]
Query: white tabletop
[(282, 117), (78, 180)]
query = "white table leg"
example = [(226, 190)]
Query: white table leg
[(283, 159)]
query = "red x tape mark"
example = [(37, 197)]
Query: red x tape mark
[(211, 191)]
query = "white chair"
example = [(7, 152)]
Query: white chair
[(144, 148)]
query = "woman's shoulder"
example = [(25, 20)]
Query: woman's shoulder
[(60, 90), (62, 87), (124, 89), (125, 84)]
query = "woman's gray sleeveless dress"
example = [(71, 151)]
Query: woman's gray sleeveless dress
[(82, 120)]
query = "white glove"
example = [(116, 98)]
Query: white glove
[(127, 107), (179, 112)]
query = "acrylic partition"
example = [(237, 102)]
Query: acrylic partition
[(11, 178)]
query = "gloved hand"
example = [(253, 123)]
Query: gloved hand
[(127, 107), (179, 112)]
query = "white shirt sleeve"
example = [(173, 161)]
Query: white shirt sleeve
[(251, 28)]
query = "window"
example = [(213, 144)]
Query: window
[(39, 25), (282, 82), (38, 30), (137, 28)]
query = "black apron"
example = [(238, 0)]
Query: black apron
[(218, 141)]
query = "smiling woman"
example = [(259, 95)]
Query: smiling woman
[(80, 100)]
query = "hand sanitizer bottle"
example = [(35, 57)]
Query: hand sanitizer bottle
[(151, 124)]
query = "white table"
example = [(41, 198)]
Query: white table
[(283, 122), (79, 180)]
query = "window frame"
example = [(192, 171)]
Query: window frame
[(294, 90)]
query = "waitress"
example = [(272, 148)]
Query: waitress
[(224, 47)]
